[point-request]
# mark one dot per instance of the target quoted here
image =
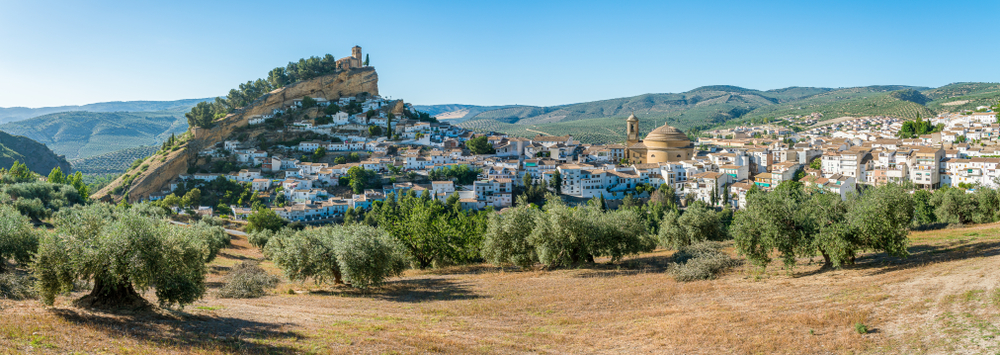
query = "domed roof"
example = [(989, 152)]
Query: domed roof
[(666, 133), (631, 118)]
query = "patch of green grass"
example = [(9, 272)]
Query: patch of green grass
[(209, 308)]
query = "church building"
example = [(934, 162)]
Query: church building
[(663, 144), (354, 61)]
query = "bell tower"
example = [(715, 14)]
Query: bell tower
[(632, 130), (356, 53)]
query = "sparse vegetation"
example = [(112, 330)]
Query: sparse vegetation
[(247, 280), (700, 261)]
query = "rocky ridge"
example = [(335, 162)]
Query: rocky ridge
[(159, 173)]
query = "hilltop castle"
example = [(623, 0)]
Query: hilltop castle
[(663, 144), (354, 61)]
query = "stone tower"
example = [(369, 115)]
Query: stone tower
[(631, 130), (356, 53)]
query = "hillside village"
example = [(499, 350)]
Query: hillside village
[(309, 180)]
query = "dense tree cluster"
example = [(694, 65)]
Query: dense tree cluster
[(360, 255), (918, 127), (559, 235), (434, 232), (461, 173), (480, 145), (796, 223)]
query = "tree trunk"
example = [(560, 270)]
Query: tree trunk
[(337, 277), (827, 264), (106, 295)]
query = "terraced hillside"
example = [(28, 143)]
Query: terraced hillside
[(85, 134), (116, 162)]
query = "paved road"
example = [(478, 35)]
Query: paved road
[(230, 231)]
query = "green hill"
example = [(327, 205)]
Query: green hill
[(85, 134), (722, 105), (116, 162), (14, 114), (35, 155)]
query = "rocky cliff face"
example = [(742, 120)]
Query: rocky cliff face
[(331, 87)]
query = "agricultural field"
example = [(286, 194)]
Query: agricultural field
[(116, 162), (944, 298)]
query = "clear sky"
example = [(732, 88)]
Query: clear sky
[(489, 52)]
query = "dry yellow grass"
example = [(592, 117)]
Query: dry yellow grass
[(945, 298)]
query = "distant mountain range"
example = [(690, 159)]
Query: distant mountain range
[(13, 114), (712, 106)]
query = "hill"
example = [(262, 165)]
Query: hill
[(36, 156), (723, 105), (116, 162), (13, 114), (943, 298), (457, 113), (86, 134)]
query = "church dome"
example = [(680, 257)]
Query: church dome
[(667, 136), (631, 118)]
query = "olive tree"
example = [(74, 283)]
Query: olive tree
[(121, 251), (565, 235), (18, 240), (506, 240), (360, 255), (798, 224), (698, 223)]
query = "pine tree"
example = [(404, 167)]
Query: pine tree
[(366, 60)]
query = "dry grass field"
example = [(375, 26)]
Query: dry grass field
[(945, 298)]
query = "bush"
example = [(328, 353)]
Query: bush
[(259, 238), (15, 287), (861, 328), (18, 239), (247, 280), (700, 261)]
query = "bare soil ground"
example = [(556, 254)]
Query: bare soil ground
[(944, 298)]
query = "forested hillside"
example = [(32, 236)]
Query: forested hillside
[(35, 155), (714, 106), (85, 134)]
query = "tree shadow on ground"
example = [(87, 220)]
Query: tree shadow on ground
[(920, 255), (185, 331), (409, 290)]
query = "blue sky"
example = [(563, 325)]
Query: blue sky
[(489, 52)]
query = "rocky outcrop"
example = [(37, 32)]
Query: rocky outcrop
[(331, 87)]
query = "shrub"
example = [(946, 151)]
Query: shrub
[(259, 238), (248, 280), (861, 328), (15, 286), (18, 239), (700, 261)]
